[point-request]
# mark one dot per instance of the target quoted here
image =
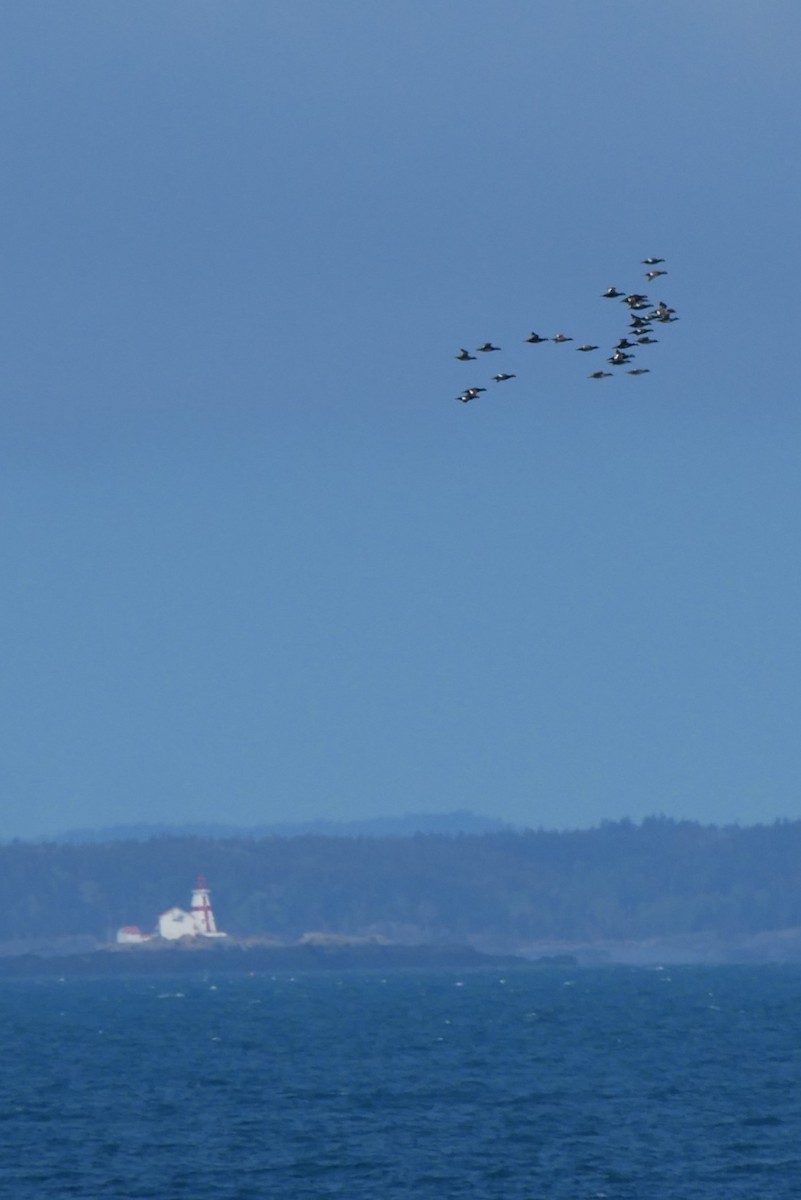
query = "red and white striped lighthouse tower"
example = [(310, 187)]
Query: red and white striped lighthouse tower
[(202, 914)]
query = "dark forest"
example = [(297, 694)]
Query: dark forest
[(620, 880)]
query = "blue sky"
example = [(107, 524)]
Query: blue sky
[(258, 563)]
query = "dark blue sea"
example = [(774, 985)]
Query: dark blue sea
[(540, 1084)]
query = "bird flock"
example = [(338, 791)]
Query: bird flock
[(644, 317)]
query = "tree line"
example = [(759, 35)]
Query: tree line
[(620, 880)]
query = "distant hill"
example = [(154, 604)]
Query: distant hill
[(449, 824), (700, 888)]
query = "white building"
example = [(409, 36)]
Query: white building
[(176, 923), (131, 935)]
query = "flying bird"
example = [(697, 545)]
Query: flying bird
[(641, 327)]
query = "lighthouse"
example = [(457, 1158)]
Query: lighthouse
[(202, 913), (175, 923)]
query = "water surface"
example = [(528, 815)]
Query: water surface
[(540, 1083)]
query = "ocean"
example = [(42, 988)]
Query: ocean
[(533, 1084)]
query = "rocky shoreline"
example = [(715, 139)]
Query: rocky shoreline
[(87, 956), (216, 958)]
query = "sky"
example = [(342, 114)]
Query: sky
[(258, 562)]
